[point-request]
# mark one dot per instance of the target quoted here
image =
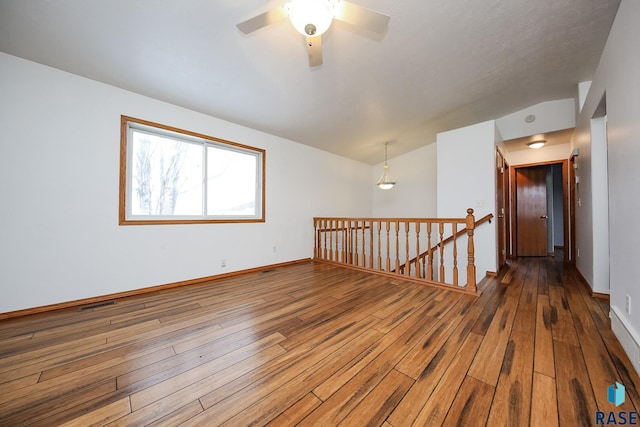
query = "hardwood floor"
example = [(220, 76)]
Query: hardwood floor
[(318, 345)]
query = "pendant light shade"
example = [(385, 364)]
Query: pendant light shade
[(385, 182)]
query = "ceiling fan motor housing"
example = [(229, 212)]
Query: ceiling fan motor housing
[(310, 29)]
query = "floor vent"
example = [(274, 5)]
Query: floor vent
[(97, 305)]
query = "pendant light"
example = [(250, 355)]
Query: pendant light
[(385, 182)]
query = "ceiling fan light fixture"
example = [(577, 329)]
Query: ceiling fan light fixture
[(311, 17), (536, 144), (385, 182)]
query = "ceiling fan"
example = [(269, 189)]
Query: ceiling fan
[(312, 18)]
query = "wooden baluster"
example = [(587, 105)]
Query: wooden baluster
[(441, 230), (471, 268), (336, 247), (379, 247), (407, 267), (357, 249), (388, 259), (337, 243), (454, 230), (324, 240), (316, 234), (418, 275), (397, 270), (354, 243), (364, 250), (343, 243), (371, 245), (429, 253), (331, 239), (347, 243)]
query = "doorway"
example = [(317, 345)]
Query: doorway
[(539, 200), (502, 209)]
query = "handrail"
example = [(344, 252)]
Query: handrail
[(486, 218), (378, 245)]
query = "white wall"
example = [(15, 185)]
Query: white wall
[(467, 179), (414, 195), (59, 163), (550, 116), (600, 209), (545, 154), (617, 76)]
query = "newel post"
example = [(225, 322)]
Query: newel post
[(471, 268)]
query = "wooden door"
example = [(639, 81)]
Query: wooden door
[(531, 211)]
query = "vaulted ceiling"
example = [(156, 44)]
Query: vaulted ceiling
[(441, 64)]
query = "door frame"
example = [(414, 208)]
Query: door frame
[(566, 194), (503, 219)]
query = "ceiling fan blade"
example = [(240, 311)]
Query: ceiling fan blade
[(274, 15), (362, 17), (314, 49)]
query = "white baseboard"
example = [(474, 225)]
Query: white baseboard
[(627, 336)]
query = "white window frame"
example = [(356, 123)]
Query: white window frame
[(129, 124)]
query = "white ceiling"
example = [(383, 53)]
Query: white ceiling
[(441, 65)]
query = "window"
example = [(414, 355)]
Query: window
[(172, 176)]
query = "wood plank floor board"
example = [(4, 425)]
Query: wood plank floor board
[(145, 354), (184, 379), (378, 404), (430, 377), (73, 381), (562, 325), (512, 399), (177, 417), (172, 402), (543, 354), (439, 402), (576, 402), (419, 356), (102, 415), (544, 405), (13, 367), (601, 369), (629, 376), (488, 361), (368, 355), (346, 398), (21, 412), (471, 405), (13, 385), (284, 391), (304, 355), (317, 344), (257, 395), (296, 412)]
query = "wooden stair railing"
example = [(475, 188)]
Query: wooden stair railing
[(379, 244), (412, 261)]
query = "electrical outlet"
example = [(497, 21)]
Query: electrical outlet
[(274, 249), (627, 304), (223, 263), (578, 252)]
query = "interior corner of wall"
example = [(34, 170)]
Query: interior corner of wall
[(627, 335)]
